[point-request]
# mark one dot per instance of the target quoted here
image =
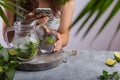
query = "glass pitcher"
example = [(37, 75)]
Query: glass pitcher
[(25, 42)]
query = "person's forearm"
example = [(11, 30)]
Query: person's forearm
[(65, 38)]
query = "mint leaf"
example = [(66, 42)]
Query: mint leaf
[(106, 76), (4, 53), (105, 73), (10, 73), (1, 46)]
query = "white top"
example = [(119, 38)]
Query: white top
[(53, 23)]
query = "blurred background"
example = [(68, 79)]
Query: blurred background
[(104, 42)]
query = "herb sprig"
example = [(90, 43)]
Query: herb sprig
[(107, 76), (7, 64)]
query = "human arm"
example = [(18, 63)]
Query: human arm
[(66, 20), (65, 23)]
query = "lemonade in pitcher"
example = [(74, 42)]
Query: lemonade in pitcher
[(25, 42)]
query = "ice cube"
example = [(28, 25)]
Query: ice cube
[(23, 46), (33, 38)]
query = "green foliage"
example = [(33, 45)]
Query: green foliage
[(106, 76), (3, 16), (7, 64), (10, 7), (99, 6), (62, 2), (10, 73), (31, 50), (4, 53), (49, 40)]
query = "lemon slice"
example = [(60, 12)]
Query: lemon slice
[(117, 56), (110, 62), (12, 51)]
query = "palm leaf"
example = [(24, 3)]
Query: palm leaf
[(114, 11), (101, 9), (3, 16), (14, 5), (10, 9), (88, 7), (96, 5), (93, 10), (8, 5), (62, 2)]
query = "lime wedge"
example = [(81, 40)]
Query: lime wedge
[(117, 56), (12, 51), (50, 40), (110, 62)]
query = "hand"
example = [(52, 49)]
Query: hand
[(59, 42), (33, 16), (42, 20)]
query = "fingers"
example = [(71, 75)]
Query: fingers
[(30, 16), (58, 44), (42, 20), (46, 30), (58, 36)]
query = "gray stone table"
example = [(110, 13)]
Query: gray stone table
[(86, 65)]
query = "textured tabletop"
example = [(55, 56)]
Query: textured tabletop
[(86, 65)]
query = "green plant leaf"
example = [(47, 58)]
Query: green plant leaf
[(10, 73), (12, 64), (4, 17), (114, 11), (8, 5), (61, 2), (105, 73), (85, 21), (4, 53), (20, 0), (2, 61), (10, 8), (88, 7), (14, 5), (107, 76), (102, 7)]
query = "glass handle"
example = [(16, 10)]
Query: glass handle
[(6, 36)]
